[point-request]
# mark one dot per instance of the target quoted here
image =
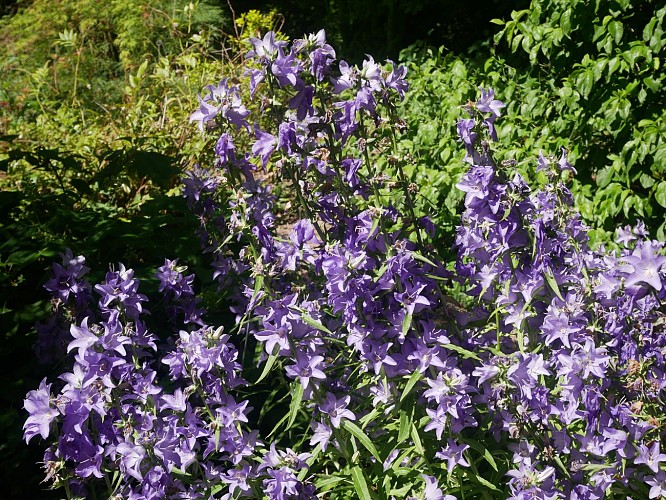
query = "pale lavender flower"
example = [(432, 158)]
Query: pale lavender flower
[(650, 456), (657, 485), (38, 404), (306, 367), (452, 453), (644, 265)]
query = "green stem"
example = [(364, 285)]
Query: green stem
[(402, 178)]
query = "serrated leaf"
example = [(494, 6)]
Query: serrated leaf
[(486, 483), (295, 404), (461, 350), (413, 379), (360, 484), (356, 431), (314, 323), (269, 363)]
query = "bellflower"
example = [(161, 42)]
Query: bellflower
[(38, 405), (644, 265)]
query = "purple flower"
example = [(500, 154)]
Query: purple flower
[(322, 435), (38, 404), (306, 367), (302, 102), (650, 456), (467, 135), (282, 484), (453, 455), (266, 49), (346, 80), (412, 298), (68, 277), (286, 69), (563, 163), (223, 100), (657, 485), (120, 287), (488, 104), (432, 490), (438, 419), (264, 146), (131, 456), (224, 149), (644, 265), (396, 79), (336, 409)]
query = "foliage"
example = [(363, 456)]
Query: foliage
[(585, 79), (367, 380), (93, 100)]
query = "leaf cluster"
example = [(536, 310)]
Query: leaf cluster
[(589, 80)]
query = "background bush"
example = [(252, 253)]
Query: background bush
[(587, 80)]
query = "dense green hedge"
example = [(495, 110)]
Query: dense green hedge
[(587, 80)]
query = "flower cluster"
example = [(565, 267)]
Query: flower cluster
[(572, 369), (547, 383), (114, 418), (344, 286)]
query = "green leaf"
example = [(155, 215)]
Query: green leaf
[(616, 30), (360, 484), (490, 459), (83, 187), (366, 419), (295, 404), (585, 82), (356, 431), (458, 70), (413, 379), (313, 457), (562, 467), (660, 193), (269, 363), (314, 323), (461, 350), (406, 323), (418, 256), (552, 283), (486, 483), (325, 483), (405, 425), (418, 445)]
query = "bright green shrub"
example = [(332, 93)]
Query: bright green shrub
[(599, 66), (590, 77)]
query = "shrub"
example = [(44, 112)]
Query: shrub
[(587, 79), (367, 379)]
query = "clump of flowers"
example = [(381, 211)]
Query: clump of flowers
[(547, 383)]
